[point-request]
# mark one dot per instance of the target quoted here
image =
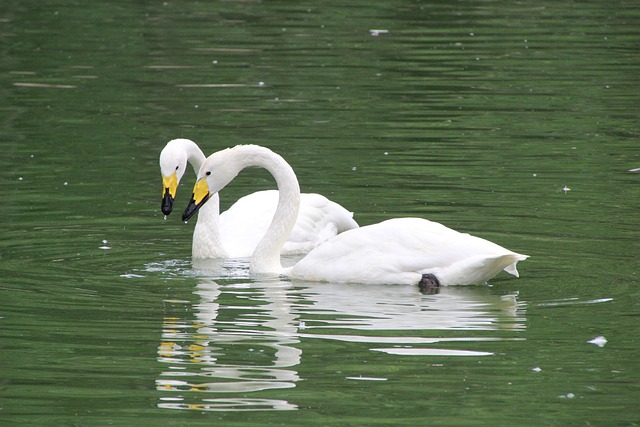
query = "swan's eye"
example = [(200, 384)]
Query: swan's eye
[(177, 167), (208, 173)]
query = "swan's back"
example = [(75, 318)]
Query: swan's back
[(319, 220), (246, 222), (400, 251)]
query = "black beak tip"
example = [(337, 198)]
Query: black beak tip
[(189, 211), (167, 204), (192, 208)]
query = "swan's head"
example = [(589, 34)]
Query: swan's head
[(216, 172), (173, 162)]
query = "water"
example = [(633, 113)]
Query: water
[(515, 122)]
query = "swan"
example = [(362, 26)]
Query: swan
[(236, 232), (395, 251)]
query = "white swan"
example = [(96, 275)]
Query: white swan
[(236, 232), (396, 251)]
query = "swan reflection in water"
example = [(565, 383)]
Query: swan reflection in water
[(242, 344), (241, 335)]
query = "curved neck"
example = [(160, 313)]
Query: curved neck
[(207, 241), (195, 156), (266, 256)]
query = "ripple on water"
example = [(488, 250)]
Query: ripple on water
[(237, 337)]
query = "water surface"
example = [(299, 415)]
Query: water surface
[(515, 122)]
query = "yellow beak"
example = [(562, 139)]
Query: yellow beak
[(199, 197), (200, 190), (170, 184)]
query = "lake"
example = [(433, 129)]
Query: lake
[(515, 122)]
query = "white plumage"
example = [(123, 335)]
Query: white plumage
[(396, 251), (236, 232), (401, 250), (243, 224)]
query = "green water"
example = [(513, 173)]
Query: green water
[(517, 122)]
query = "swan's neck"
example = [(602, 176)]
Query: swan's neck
[(207, 240), (266, 256), (195, 156)]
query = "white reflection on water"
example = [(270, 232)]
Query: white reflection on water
[(366, 307), (230, 349), (430, 352), (240, 335), (409, 315)]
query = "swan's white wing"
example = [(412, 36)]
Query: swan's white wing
[(319, 220), (245, 223), (399, 251)]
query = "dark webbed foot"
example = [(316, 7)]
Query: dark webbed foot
[(429, 284)]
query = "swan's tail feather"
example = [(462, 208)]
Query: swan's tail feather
[(511, 268), (477, 269)]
